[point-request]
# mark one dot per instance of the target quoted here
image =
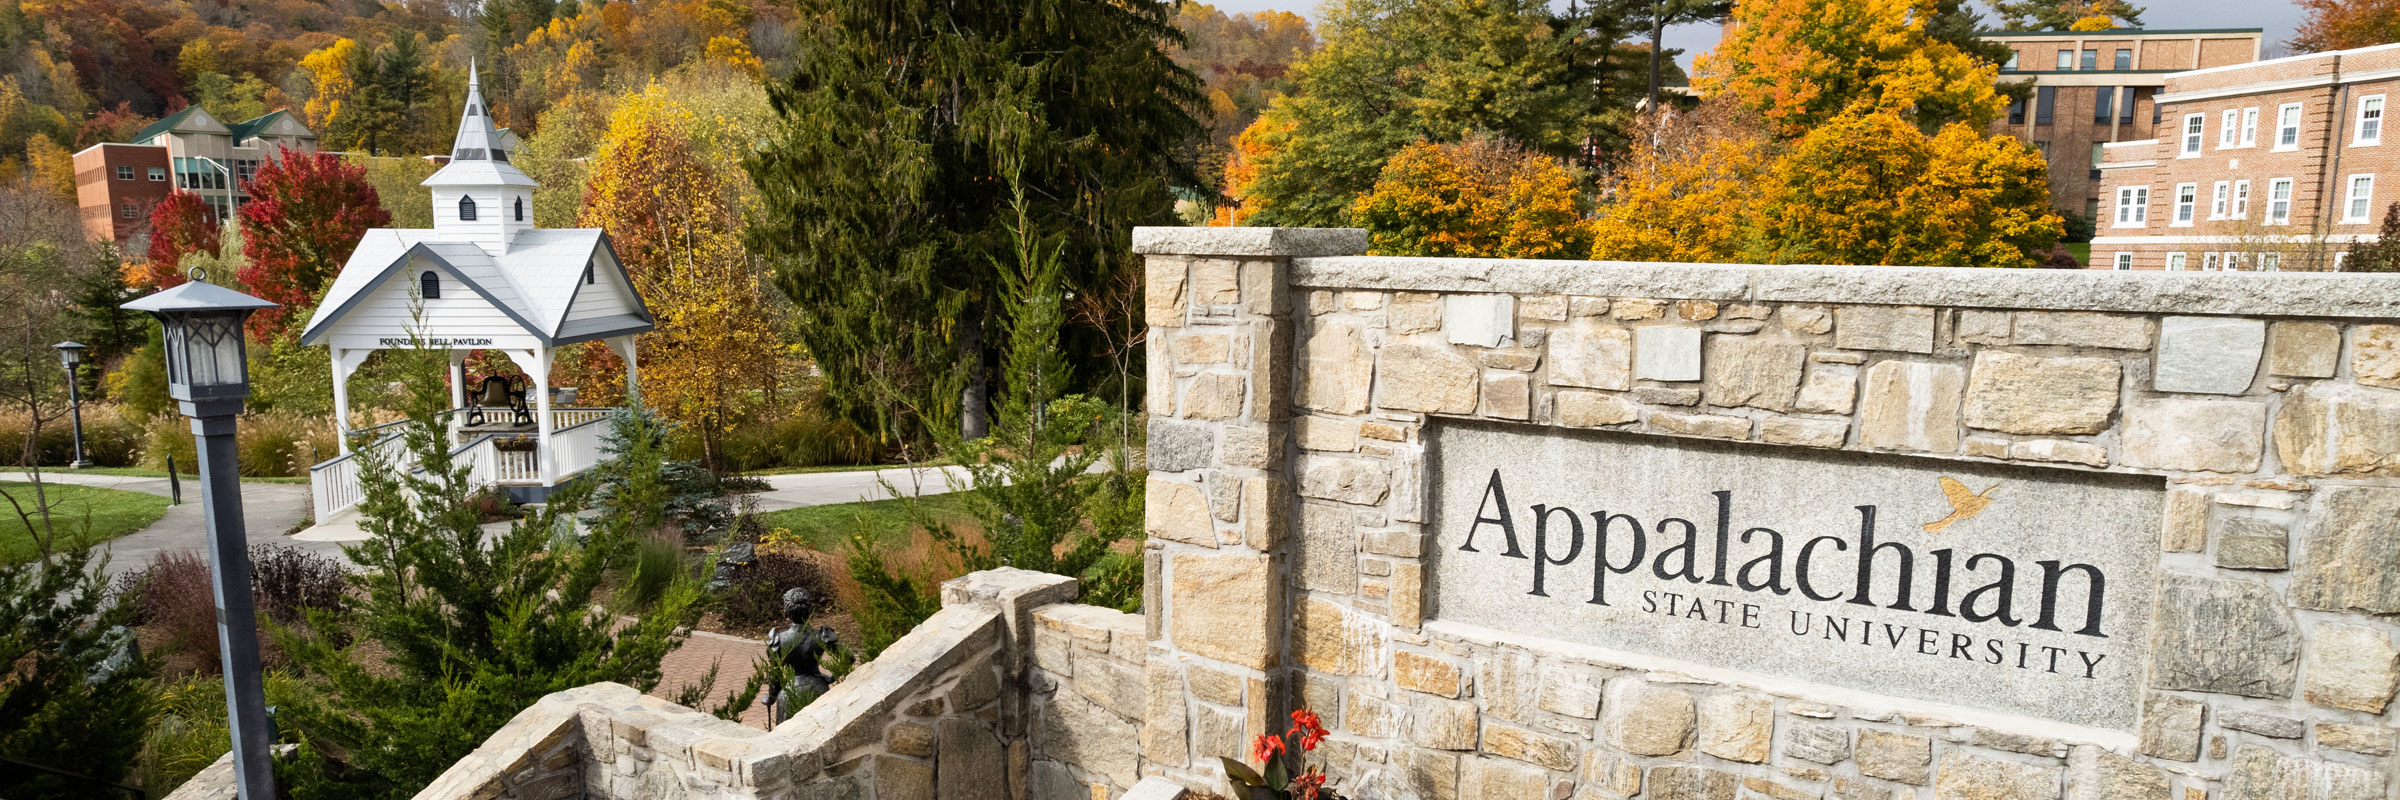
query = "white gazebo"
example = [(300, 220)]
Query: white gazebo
[(482, 278)]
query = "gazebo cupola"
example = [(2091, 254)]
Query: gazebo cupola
[(479, 197)]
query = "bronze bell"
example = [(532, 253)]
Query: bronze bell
[(495, 392)]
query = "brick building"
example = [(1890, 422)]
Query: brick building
[(2095, 87), (2273, 165), (116, 184)]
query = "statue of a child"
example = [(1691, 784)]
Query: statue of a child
[(797, 647)]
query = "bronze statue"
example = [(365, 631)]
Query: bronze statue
[(797, 647)]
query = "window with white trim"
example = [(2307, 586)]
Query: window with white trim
[(2133, 206), (2123, 261), (2250, 127), (2218, 199), (124, 173), (2241, 199), (2370, 121), (158, 174), (2270, 262), (2187, 196), (2193, 126), (2208, 262), (2228, 128), (2362, 192), (2287, 126), (2175, 262), (2279, 202), (2066, 59)]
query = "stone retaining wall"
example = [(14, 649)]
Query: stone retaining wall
[(1292, 384)]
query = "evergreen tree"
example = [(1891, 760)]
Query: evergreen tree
[(2381, 255), (76, 696), (2059, 15), (392, 83), (884, 194)]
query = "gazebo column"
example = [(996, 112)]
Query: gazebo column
[(458, 392), (345, 363), (536, 363), (633, 383)]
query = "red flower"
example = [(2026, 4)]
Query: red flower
[(1310, 727), (1308, 785), (1266, 748)]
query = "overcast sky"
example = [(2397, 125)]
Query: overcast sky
[(2278, 17)]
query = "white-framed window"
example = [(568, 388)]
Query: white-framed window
[(129, 211), (2219, 199), (2355, 204), (124, 173), (2066, 59), (2175, 262), (2279, 201), (2133, 206), (2187, 197), (2193, 126), (2370, 121), (2270, 262), (2287, 126), (2241, 199), (2209, 263), (2122, 262), (158, 174), (2228, 129), (2250, 127)]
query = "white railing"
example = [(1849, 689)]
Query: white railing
[(574, 447)]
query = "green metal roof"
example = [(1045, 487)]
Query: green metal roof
[(164, 124), (2117, 31), (248, 128)]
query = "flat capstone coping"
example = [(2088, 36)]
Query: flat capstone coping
[(1287, 242)]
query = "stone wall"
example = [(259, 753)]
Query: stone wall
[(1292, 384)]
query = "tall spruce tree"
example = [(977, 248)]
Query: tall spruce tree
[(885, 189)]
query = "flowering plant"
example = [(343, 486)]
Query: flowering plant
[(1280, 775)]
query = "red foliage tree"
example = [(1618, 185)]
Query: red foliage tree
[(305, 214), (179, 225)]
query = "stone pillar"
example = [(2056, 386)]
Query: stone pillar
[(1219, 500)]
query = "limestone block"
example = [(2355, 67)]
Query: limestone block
[(1508, 395), (1819, 742), (1804, 432), (1572, 692), (1215, 395), (1482, 320), (2304, 349), (1112, 684), (1414, 312), (2013, 393), (1328, 552), (2373, 740), (2015, 742), (2103, 775), (1591, 357), (2195, 435), (1332, 638), (2184, 524), (1156, 788), (1213, 686), (1848, 788), (1830, 389), (1982, 327), (1429, 378), (1362, 300), (2353, 667), (1510, 682), (1217, 733), (1902, 329), (2337, 430), (909, 739), (2353, 540), (1216, 281), (1807, 319), (1221, 607), (1894, 756), (1494, 779), (1665, 395), (1425, 774), (1609, 774), (1519, 360), (1576, 409), (1407, 608), (1202, 348), (1357, 481), (2267, 725), (1666, 353), (2171, 727), (2208, 355), (1177, 511), (1969, 777), (1263, 289), (1162, 294), (971, 755), (895, 777), (2083, 328), (1635, 309), (1264, 504), (1911, 405), (1692, 783), (1737, 727), (1984, 446), (1417, 672), (1648, 720), (1254, 447), (1177, 446), (2248, 543), (1165, 723), (1713, 426), (1587, 306), (2059, 451), (1076, 731), (2375, 355), (2259, 773), (2228, 637), (1551, 307), (1336, 370), (1509, 741), (1442, 724), (1754, 371), (1325, 433)]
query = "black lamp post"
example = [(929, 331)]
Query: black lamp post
[(70, 355), (208, 377)]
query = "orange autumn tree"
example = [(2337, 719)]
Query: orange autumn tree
[(1689, 195), (1799, 63), (1478, 198), (666, 187), (2347, 24), (1871, 189)]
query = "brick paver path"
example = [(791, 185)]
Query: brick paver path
[(735, 658)]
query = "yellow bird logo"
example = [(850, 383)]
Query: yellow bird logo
[(1964, 504)]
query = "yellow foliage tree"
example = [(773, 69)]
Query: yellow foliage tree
[(1241, 165), (1689, 195), (1801, 62), (329, 68), (53, 167), (1478, 198), (1872, 189), (2094, 22)]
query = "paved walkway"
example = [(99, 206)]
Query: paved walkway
[(828, 488), (268, 511)]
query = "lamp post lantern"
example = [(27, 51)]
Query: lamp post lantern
[(70, 355), (208, 378)]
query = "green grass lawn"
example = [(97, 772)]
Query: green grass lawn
[(80, 515), (883, 521), (2082, 251)]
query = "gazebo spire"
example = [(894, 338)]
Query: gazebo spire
[(477, 139)]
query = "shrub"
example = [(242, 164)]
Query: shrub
[(174, 598), (266, 445), (754, 599), (76, 696), (190, 731), (110, 438), (805, 437)]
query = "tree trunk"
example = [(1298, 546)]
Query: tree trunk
[(1658, 31), (974, 402)]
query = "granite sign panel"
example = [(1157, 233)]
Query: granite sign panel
[(2017, 590)]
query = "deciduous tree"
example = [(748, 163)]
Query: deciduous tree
[(2347, 24), (1481, 198), (1801, 62), (179, 225), (1690, 193), (1871, 189), (305, 214), (2382, 254)]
